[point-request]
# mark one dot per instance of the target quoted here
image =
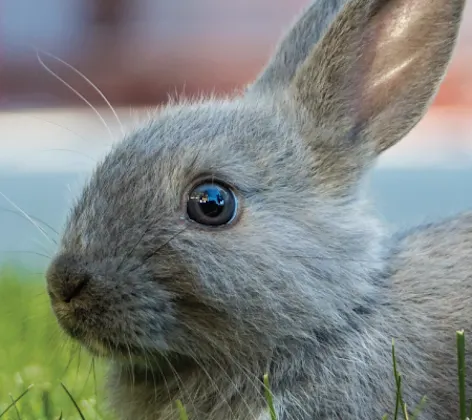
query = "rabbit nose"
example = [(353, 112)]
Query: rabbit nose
[(66, 279)]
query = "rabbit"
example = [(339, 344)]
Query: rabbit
[(227, 238)]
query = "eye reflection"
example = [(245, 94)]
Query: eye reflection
[(211, 204)]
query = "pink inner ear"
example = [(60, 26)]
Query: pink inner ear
[(378, 67), (398, 49)]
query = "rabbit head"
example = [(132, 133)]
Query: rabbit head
[(228, 227)]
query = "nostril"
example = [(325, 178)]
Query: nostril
[(75, 287), (66, 278)]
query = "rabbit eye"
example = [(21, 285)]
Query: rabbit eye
[(212, 204)]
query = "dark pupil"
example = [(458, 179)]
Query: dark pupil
[(210, 199)]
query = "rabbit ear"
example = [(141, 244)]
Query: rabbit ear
[(372, 76), (296, 45)]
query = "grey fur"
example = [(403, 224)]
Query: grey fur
[(305, 284), (294, 48)]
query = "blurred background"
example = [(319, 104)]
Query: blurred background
[(138, 53)]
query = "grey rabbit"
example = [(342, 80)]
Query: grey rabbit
[(229, 238)]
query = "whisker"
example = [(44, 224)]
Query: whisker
[(86, 380), (28, 217), (94, 378), (57, 125), (166, 242), (72, 354), (131, 370), (37, 242), (255, 383), (172, 237), (112, 137), (90, 84), (323, 258), (75, 152), (32, 217), (77, 370), (26, 252), (212, 381), (148, 228), (166, 384), (152, 253), (150, 367), (180, 383)]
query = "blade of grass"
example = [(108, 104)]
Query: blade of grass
[(13, 404), (398, 402), (15, 407), (46, 404), (181, 408), (419, 408), (460, 340), (269, 397), (405, 412), (73, 401), (398, 382)]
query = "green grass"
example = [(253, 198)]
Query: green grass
[(42, 377), (34, 352)]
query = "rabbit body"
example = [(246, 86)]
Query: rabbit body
[(303, 283)]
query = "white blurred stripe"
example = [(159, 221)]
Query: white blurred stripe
[(30, 139)]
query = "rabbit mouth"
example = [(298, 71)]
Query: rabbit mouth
[(102, 341), (99, 347), (109, 349), (129, 353)]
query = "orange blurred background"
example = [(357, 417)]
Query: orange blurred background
[(135, 51), (138, 52)]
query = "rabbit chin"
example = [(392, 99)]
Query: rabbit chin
[(164, 364), (126, 352), (113, 350), (101, 344)]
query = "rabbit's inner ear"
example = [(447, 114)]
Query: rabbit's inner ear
[(372, 76)]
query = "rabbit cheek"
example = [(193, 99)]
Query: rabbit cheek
[(131, 321)]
